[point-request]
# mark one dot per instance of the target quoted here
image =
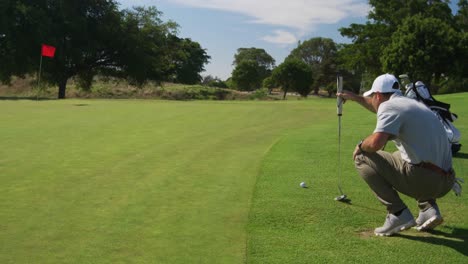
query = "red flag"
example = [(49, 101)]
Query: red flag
[(48, 51)]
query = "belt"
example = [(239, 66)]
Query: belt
[(434, 168)]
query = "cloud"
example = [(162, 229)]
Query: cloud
[(281, 37), (301, 15), (293, 18)]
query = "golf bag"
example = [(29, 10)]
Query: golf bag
[(420, 92)]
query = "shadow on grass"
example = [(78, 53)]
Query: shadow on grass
[(358, 205), (457, 239), (461, 155), (32, 98)]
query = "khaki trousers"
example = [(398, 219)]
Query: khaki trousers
[(387, 174)]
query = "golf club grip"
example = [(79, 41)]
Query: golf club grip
[(339, 89)]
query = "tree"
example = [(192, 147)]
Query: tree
[(293, 74), (385, 17), (364, 53), (17, 28), (269, 84), (260, 56), (461, 19), (92, 37), (145, 48), (391, 12), (246, 76), (423, 47), (252, 65), (320, 54), (81, 31), (188, 60)]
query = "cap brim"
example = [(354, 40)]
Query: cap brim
[(368, 93)]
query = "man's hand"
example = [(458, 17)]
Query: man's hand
[(347, 95), (357, 151), (366, 102)]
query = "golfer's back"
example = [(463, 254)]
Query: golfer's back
[(419, 134)]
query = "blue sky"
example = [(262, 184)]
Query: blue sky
[(223, 26)]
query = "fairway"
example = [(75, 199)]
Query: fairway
[(143, 181), (133, 181)]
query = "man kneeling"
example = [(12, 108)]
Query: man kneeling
[(422, 166)]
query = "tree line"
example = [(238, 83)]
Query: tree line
[(423, 39)]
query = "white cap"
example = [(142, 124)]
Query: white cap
[(385, 83)]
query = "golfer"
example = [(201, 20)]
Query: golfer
[(422, 166)]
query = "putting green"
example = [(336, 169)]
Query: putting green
[(97, 181)]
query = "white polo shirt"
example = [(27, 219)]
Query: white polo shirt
[(419, 135)]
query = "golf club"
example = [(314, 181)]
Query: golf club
[(339, 104), (406, 81)]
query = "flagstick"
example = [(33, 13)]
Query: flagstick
[(39, 79)]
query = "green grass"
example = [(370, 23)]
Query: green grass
[(135, 181), (131, 181), (288, 224)]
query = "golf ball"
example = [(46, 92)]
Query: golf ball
[(303, 185)]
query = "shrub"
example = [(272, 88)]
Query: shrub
[(259, 94)]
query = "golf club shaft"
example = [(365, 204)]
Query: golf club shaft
[(339, 154), (339, 103)]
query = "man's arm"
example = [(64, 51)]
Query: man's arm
[(366, 102), (372, 143)]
